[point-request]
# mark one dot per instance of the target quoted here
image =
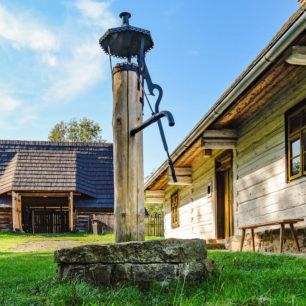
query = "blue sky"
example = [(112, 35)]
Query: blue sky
[(53, 69)]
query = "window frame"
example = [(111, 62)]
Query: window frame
[(175, 210), (291, 137)]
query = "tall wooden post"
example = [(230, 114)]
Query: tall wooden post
[(19, 212), (16, 211), (70, 204), (128, 156)]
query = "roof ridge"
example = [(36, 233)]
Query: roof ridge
[(59, 144)]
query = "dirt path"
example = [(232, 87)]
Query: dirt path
[(50, 245)]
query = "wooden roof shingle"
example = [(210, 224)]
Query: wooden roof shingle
[(55, 166)]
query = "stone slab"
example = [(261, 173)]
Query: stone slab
[(140, 252), (138, 273)]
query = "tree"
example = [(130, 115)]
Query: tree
[(153, 209), (83, 130)]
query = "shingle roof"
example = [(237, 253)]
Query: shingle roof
[(49, 166)]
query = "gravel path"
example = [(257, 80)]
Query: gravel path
[(50, 245)]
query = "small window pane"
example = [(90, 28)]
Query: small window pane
[(295, 166), (295, 147), (295, 122)]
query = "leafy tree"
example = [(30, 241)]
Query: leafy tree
[(153, 209), (83, 130)]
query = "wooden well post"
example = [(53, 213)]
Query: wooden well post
[(128, 155)]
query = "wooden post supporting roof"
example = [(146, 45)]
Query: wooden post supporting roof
[(15, 207), (70, 203), (128, 157), (19, 212)]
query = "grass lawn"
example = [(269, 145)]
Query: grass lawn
[(30, 279), (12, 240)]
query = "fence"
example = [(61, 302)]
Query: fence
[(154, 225)]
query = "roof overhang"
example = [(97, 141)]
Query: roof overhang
[(289, 33)]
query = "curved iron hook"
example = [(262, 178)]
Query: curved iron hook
[(143, 71)]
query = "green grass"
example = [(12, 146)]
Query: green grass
[(30, 279), (12, 240)]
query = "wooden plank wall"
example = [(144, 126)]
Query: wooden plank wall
[(261, 192), (196, 207), (83, 220), (6, 223)]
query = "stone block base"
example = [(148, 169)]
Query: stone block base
[(140, 262), (268, 241), (138, 273)]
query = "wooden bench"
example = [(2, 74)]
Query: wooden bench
[(282, 232)]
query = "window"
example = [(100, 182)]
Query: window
[(296, 142), (174, 211)]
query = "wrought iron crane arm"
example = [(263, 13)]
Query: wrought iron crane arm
[(143, 75)]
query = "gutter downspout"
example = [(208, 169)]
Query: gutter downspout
[(266, 59)]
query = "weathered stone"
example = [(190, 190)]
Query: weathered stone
[(121, 272), (155, 251), (193, 271), (99, 274), (210, 265), (155, 271), (140, 262)]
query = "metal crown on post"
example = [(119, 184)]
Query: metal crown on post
[(127, 42)]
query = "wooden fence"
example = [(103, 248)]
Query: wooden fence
[(154, 225)]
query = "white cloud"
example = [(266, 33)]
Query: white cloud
[(8, 104), (23, 32), (98, 12), (71, 59), (86, 63), (50, 59), (82, 70)]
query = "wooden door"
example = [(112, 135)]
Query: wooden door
[(47, 221), (227, 203), (224, 214)]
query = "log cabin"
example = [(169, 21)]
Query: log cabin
[(50, 187), (245, 161)]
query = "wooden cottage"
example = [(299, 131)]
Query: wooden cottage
[(54, 187), (245, 161)]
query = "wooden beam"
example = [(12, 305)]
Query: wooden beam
[(70, 201), (219, 139), (14, 211), (183, 176), (154, 200), (224, 133), (46, 194), (214, 140), (207, 153), (154, 193), (19, 211), (218, 143), (182, 171)]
